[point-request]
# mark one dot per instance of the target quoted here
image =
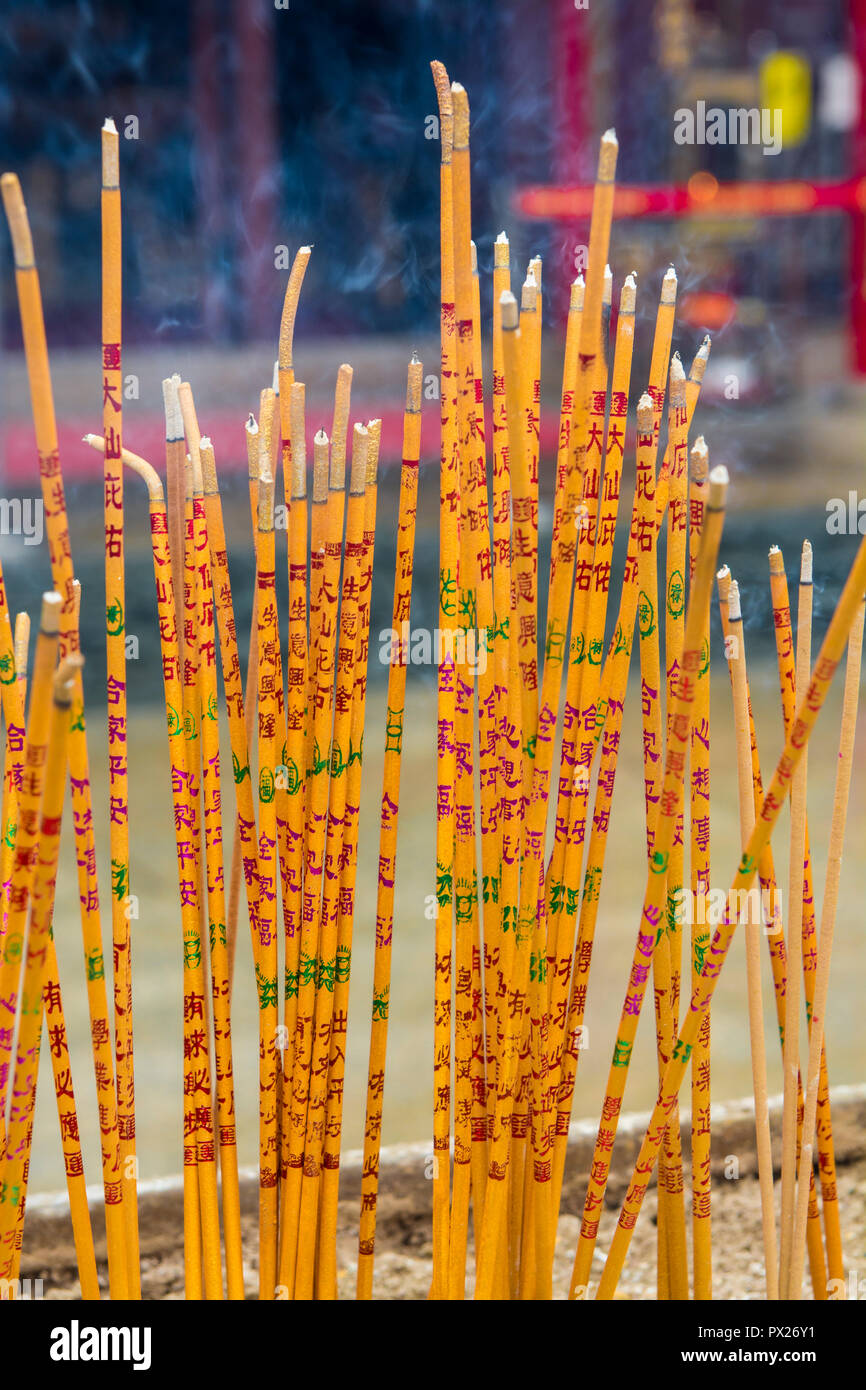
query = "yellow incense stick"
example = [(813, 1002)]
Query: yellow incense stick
[(808, 710), (736, 654), (115, 628)]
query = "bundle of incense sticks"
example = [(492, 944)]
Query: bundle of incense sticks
[(526, 739)]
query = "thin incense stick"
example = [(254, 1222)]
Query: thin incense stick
[(807, 712), (449, 511), (326, 1269), (490, 711), (825, 945), (389, 814), (296, 729), (214, 878), (771, 915), (329, 907), (672, 1236), (833, 1268), (699, 865), (240, 862), (791, 1051), (736, 652), (40, 992), (651, 710), (198, 1089), (315, 835), (654, 896), (175, 489), (32, 782), (56, 524), (465, 1177), (115, 642), (266, 972), (13, 677)]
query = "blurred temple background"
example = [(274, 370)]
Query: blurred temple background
[(251, 125)]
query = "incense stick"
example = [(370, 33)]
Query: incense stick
[(736, 652), (791, 1051), (807, 712), (825, 946)]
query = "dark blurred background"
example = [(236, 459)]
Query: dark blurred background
[(251, 129), (257, 126)]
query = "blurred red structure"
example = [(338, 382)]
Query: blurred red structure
[(569, 200)]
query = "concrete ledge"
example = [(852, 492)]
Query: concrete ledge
[(405, 1190)]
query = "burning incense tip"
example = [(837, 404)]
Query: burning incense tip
[(677, 381), (360, 449), (413, 385), (699, 458), (265, 508), (777, 560), (607, 157), (374, 429), (806, 563), (645, 413), (735, 613), (460, 105), (529, 293), (320, 467), (64, 679), (173, 416), (719, 480), (607, 291), (699, 362), (508, 307), (19, 224), (110, 155), (628, 294), (49, 618), (578, 290)]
